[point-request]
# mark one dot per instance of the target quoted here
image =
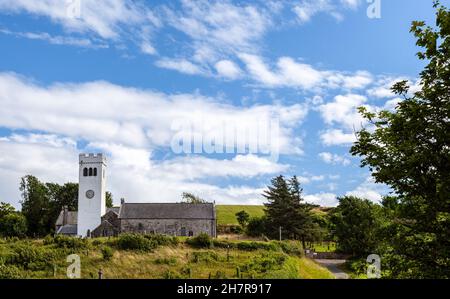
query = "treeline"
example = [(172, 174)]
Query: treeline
[(41, 204)]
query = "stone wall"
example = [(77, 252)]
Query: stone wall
[(174, 227)]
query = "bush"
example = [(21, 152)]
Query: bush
[(204, 256), (32, 258), (162, 240), (107, 253), (68, 242), (203, 240), (252, 245), (257, 226), (265, 263), (9, 272), (135, 242), (291, 247), (223, 244)]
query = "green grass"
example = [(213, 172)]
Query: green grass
[(165, 261), (226, 214)]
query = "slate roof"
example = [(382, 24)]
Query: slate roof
[(167, 211), (68, 229), (71, 218)]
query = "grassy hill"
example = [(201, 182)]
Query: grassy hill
[(226, 214), (166, 257)]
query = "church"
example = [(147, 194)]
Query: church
[(93, 219)]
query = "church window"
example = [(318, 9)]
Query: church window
[(90, 171), (95, 171), (191, 233), (183, 231), (85, 171)]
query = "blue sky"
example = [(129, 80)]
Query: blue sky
[(115, 76)]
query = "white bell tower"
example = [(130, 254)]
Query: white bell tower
[(91, 192)]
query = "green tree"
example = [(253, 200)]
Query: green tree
[(5, 209), (356, 225), (242, 217), (191, 198), (285, 208), (409, 150), (13, 225), (109, 199), (36, 206)]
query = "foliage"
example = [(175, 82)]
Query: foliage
[(9, 272), (109, 199), (409, 150), (42, 203), (204, 256), (285, 208), (138, 242), (191, 198), (357, 223), (203, 240), (257, 226), (242, 217), (107, 253), (12, 223), (74, 243), (30, 257), (162, 240)]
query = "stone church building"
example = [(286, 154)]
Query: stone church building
[(95, 220)]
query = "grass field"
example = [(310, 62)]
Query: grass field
[(28, 259), (226, 214)]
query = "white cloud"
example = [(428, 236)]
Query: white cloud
[(104, 112), (180, 65), (305, 10), (222, 27), (56, 40), (228, 69), (369, 190), (337, 137), (331, 158), (343, 111), (322, 199), (291, 73)]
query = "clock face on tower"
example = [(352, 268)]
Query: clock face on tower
[(90, 194)]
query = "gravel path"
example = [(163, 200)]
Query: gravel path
[(332, 266)]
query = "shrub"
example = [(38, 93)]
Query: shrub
[(265, 263), (32, 258), (162, 240), (204, 256), (135, 242), (68, 242), (107, 253), (291, 247), (9, 272), (252, 245), (257, 226), (223, 244), (203, 240)]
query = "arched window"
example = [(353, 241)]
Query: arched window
[(90, 171), (85, 171), (95, 171)]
